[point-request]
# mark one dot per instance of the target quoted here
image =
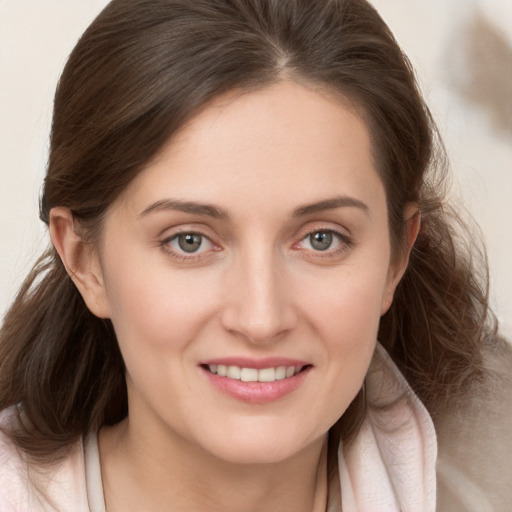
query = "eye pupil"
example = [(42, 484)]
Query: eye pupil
[(321, 240), (190, 242)]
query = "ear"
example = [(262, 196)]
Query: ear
[(80, 260), (412, 218)]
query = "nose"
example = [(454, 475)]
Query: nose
[(259, 307)]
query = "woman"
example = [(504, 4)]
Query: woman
[(242, 197)]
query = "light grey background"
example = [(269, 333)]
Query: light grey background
[(461, 49)]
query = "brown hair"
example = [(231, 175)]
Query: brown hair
[(138, 73)]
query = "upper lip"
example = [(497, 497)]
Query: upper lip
[(258, 364)]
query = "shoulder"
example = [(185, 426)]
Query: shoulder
[(26, 485), (475, 443)]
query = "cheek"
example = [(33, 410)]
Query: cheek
[(158, 316), (157, 307), (345, 315), (348, 302), (351, 320)]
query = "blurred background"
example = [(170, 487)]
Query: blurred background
[(462, 52)]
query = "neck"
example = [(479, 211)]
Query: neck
[(138, 474)]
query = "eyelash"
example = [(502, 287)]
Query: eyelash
[(345, 242), (183, 256)]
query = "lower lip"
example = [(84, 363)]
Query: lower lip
[(257, 392)]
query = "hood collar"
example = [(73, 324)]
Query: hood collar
[(391, 464)]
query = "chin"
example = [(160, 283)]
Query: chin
[(262, 447), (252, 455)]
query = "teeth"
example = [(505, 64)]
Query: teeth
[(234, 372), (280, 372), (249, 374), (267, 375), (254, 375)]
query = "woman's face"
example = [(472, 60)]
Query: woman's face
[(256, 245)]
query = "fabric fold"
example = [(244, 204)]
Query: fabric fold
[(391, 464)]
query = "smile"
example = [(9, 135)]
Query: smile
[(256, 381), (244, 374)]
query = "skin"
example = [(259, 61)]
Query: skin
[(257, 287)]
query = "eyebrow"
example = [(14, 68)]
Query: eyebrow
[(209, 210), (330, 204)]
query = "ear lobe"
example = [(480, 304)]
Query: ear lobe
[(412, 226), (80, 260)]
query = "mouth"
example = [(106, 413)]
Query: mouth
[(247, 374), (256, 381)]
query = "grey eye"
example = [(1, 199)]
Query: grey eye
[(190, 242), (321, 240)]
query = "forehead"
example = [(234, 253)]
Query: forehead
[(285, 143)]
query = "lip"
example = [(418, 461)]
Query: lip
[(256, 392)]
